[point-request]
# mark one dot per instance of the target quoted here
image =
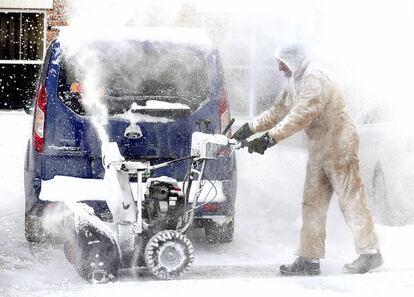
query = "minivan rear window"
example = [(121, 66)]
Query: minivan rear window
[(133, 72)]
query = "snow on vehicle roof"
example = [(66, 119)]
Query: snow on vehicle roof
[(188, 36)]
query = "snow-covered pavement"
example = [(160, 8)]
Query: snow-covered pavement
[(267, 227)]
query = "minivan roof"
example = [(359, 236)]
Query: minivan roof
[(187, 36)]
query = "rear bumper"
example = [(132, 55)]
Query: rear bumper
[(216, 198), (52, 179), (201, 222)]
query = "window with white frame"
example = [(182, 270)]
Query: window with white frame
[(22, 36)]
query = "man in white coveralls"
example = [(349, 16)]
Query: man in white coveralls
[(312, 101)]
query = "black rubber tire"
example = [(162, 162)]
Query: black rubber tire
[(216, 233), (156, 248), (33, 228)]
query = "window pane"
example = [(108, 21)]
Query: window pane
[(145, 72), (32, 36), (9, 36)]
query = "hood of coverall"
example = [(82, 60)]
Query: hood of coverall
[(292, 53)]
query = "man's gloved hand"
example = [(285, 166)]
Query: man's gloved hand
[(260, 144), (243, 132)]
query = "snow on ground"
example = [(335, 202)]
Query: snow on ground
[(267, 227)]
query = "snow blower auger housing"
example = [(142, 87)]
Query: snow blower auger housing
[(149, 223)]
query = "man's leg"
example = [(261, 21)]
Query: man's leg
[(316, 198), (347, 183)]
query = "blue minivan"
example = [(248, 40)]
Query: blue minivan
[(170, 81)]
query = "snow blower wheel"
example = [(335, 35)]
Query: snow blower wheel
[(169, 254)]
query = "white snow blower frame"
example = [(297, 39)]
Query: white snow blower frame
[(149, 223)]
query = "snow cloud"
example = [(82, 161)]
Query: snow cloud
[(368, 45)]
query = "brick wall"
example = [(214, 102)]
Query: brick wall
[(58, 16)]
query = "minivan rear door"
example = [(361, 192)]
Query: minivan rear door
[(155, 88)]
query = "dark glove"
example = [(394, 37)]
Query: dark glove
[(259, 145), (243, 132)]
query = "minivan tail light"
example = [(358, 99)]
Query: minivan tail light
[(39, 120), (211, 207), (224, 111)]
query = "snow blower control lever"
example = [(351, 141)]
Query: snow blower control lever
[(150, 216), (227, 128)]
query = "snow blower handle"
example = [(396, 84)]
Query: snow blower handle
[(233, 142), (228, 126), (243, 143)]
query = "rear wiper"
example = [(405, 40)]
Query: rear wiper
[(123, 94), (125, 98)]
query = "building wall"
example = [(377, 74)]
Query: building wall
[(57, 17)]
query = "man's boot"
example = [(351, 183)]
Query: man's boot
[(364, 263), (301, 266)]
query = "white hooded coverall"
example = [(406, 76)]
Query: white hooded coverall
[(313, 102)]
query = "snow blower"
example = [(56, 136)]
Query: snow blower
[(150, 218)]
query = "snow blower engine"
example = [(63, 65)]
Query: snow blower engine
[(150, 218)]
